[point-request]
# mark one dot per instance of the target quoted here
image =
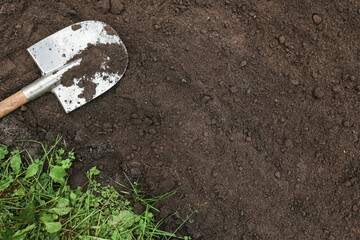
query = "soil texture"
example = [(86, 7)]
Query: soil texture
[(253, 106), (95, 59)]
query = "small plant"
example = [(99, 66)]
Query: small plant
[(37, 203), (184, 80)]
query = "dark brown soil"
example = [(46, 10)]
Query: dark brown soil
[(111, 56), (253, 104)]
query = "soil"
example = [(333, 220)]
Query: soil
[(99, 58), (253, 106)]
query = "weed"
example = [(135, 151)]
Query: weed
[(37, 203)]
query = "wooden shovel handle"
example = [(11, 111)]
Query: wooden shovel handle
[(11, 103)]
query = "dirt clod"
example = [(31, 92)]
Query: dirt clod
[(76, 27), (117, 7), (103, 6), (318, 93), (93, 58)]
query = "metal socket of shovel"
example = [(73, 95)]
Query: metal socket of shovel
[(78, 64)]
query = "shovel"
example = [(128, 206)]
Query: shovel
[(78, 64)]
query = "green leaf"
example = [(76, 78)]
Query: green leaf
[(93, 172), (125, 217), (15, 162), (32, 169), (21, 234), (53, 236), (27, 214), (115, 235), (73, 196), (61, 210), (5, 182), (63, 202), (3, 151), (52, 227), (57, 173), (64, 163), (20, 192), (7, 232), (45, 217)]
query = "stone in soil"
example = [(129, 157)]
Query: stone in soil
[(317, 18), (234, 90), (281, 39), (318, 93)]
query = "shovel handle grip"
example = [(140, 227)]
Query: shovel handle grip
[(11, 103)]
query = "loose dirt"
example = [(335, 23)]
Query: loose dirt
[(253, 106), (95, 59)]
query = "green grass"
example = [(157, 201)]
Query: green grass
[(36, 202)]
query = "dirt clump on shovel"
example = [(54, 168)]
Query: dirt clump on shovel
[(101, 59)]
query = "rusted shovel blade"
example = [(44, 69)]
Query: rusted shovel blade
[(78, 63)]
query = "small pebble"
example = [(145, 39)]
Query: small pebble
[(316, 18), (248, 139), (294, 81), (315, 75), (234, 90), (72, 11), (336, 89), (355, 208), (18, 26), (289, 144), (243, 63), (318, 93), (348, 184), (281, 39), (346, 124), (23, 108), (277, 174), (205, 99), (157, 27), (206, 134), (152, 131), (252, 14)]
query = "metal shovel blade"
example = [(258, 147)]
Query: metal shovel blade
[(64, 52)]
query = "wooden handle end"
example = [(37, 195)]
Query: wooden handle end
[(11, 103)]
